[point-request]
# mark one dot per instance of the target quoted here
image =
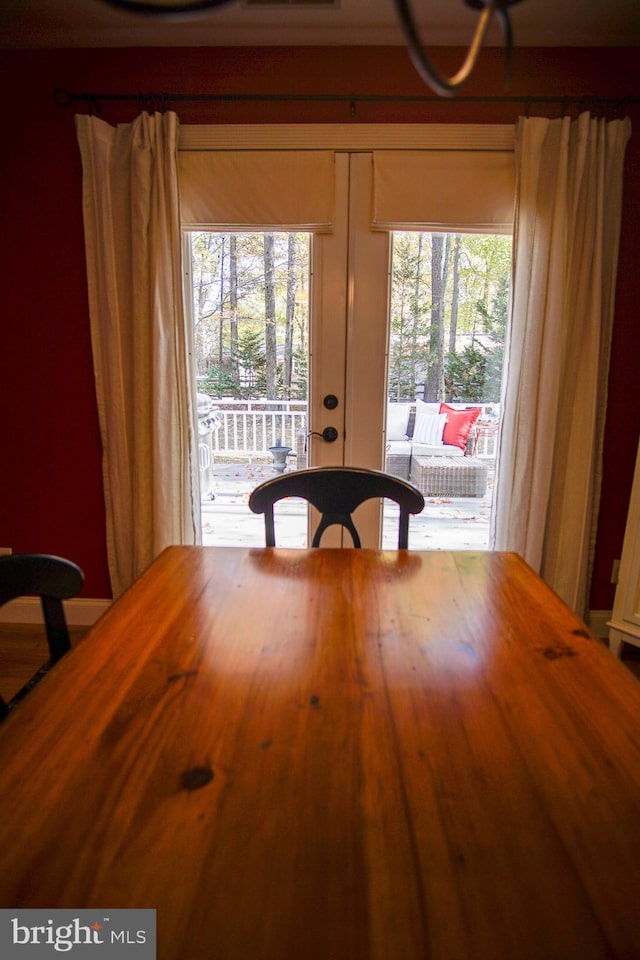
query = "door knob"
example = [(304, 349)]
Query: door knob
[(329, 434)]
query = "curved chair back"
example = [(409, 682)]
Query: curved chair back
[(53, 579), (336, 492)]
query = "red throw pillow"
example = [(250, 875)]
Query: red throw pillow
[(458, 425)]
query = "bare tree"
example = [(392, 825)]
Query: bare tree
[(417, 316), (233, 305), (434, 386), (204, 280), (292, 286), (455, 293), (270, 342), (222, 303)]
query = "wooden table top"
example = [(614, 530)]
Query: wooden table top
[(335, 755)]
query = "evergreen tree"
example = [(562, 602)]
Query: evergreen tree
[(466, 375), (251, 362)]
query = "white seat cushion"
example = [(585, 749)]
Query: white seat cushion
[(442, 450), (399, 447)]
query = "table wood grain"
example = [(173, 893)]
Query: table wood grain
[(334, 754)]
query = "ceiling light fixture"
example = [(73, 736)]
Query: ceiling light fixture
[(445, 86)]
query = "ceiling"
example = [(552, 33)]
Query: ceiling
[(30, 24)]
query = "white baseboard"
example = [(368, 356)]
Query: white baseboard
[(79, 612), (598, 622)]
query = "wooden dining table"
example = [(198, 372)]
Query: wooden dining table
[(335, 755)]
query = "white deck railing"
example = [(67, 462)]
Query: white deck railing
[(487, 442), (247, 428)]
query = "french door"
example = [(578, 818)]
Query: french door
[(346, 337), (350, 266)]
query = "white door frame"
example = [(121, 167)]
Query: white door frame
[(350, 283)]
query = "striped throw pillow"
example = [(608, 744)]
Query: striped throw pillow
[(429, 429)]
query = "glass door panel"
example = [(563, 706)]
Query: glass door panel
[(251, 348), (448, 317)]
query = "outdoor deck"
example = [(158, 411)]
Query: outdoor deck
[(445, 524)]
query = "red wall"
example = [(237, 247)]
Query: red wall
[(51, 496)]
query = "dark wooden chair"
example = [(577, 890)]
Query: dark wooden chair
[(336, 492), (53, 579)]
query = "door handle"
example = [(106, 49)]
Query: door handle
[(329, 434)]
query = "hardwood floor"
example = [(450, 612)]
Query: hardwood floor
[(23, 648)]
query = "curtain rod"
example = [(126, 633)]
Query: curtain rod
[(64, 98)]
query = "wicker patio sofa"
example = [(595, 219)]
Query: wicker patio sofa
[(437, 468)]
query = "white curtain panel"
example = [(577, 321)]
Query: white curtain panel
[(139, 338), (568, 205)]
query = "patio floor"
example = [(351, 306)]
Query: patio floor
[(445, 523)]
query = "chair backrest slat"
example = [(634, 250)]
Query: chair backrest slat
[(51, 578)]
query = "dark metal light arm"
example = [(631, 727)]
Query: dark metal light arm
[(446, 86), (168, 8)]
